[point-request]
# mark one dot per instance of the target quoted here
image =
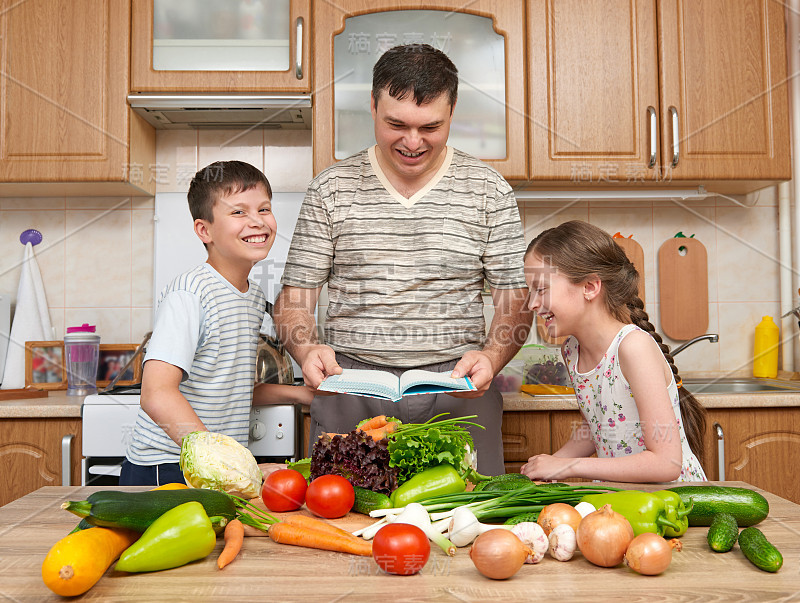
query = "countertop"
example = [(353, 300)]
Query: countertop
[(268, 571), (59, 404)]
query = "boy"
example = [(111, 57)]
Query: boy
[(200, 364)]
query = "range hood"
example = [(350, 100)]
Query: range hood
[(183, 112)]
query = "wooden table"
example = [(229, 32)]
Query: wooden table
[(268, 571)]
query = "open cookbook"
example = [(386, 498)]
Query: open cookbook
[(383, 384)]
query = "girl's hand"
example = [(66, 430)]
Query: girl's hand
[(545, 467)]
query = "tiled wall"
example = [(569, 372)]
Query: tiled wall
[(97, 255)]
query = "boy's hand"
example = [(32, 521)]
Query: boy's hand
[(319, 363)]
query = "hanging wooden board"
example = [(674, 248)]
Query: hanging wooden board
[(683, 288), (636, 255)]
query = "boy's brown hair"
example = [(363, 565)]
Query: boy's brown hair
[(222, 179)]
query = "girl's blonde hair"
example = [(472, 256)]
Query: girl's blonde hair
[(579, 250)]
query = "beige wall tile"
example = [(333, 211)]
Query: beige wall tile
[(49, 253), (747, 244), (176, 159), (737, 326), (703, 356), (113, 324), (142, 258), (98, 260), (288, 159), (229, 145), (141, 323), (536, 219), (102, 203), (32, 203)]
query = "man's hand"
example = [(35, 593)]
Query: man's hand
[(319, 362), (479, 368)]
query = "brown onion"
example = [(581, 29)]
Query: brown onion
[(557, 513), (650, 554), (604, 536), (498, 554)]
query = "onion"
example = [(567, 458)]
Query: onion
[(498, 554), (604, 536), (650, 554), (557, 513)]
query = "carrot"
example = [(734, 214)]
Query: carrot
[(285, 533), (234, 536), (312, 523), (382, 432), (373, 423)]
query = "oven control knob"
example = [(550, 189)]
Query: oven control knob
[(279, 435), (257, 430)]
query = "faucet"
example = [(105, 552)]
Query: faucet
[(712, 337)]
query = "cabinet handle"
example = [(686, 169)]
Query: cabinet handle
[(720, 451), (298, 61), (651, 117), (66, 460), (673, 112)]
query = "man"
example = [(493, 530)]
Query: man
[(404, 234)]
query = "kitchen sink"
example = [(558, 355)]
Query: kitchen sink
[(740, 385)]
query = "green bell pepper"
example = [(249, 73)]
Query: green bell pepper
[(183, 534), (441, 479), (676, 512), (646, 512)]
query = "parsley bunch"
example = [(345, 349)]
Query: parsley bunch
[(416, 446)]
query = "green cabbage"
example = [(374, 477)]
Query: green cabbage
[(216, 461)]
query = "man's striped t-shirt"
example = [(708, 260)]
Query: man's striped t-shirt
[(405, 276), (208, 329)]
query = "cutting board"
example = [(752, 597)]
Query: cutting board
[(636, 255), (683, 288)]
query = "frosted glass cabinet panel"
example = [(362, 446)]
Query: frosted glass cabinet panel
[(484, 39), (471, 43), (212, 46), (208, 35)]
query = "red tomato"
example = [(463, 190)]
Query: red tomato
[(284, 490), (400, 548), (330, 496)]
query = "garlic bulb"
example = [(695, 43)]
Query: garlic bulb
[(532, 535), (562, 542)]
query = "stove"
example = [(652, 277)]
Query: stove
[(108, 421)]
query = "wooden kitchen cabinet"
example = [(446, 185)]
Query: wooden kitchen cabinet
[(674, 92), (759, 446), (66, 125), (525, 433), (507, 19), (295, 79), (31, 451)]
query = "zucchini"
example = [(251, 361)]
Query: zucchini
[(747, 506), (760, 551), (368, 500), (137, 510), (723, 532)]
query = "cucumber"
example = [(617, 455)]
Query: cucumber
[(512, 521), (137, 510), (746, 506), (367, 500), (504, 478), (723, 532), (759, 551)]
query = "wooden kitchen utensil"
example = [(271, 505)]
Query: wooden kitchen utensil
[(683, 288), (636, 255)]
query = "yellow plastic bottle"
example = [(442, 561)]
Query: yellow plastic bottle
[(765, 351)]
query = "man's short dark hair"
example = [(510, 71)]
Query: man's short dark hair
[(222, 179), (415, 68)]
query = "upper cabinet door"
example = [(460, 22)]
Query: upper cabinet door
[(593, 89), (485, 40), (724, 96), (208, 46)]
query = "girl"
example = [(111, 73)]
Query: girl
[(642, 425)]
